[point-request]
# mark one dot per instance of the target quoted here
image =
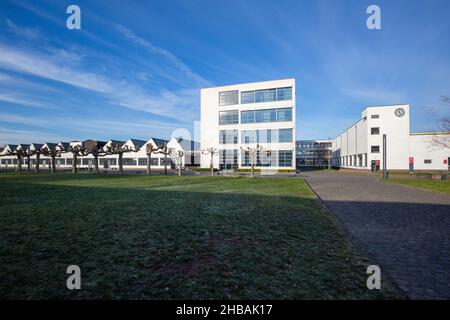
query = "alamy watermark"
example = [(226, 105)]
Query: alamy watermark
[(374, 280), (74, 20), (74, 280), (374, 20)]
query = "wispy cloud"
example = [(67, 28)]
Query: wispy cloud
[(166, 54), (17, 99), (119, 91), (23, 32)]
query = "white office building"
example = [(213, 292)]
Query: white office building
[(249, 115), (361, 145)]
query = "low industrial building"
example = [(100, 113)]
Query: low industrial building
[(361, 145), (134, 158)]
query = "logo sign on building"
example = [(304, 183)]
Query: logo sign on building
[(445, 161)]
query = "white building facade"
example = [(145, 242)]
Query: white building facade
[(361, 145), (249, 115)]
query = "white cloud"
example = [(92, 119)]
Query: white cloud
[(169, 56), (165, 103)]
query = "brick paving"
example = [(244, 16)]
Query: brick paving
[(406, 230)]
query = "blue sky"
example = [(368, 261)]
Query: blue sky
[(135, 68)]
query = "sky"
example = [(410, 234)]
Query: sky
[(135, 68)]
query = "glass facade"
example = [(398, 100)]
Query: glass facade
[(266, 136), (268, 95), (228, 159), (270, 158), (266, 115), (228, 136), (227, 98), (248, 116), (228, 117)]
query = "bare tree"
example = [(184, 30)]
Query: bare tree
[(212, 152), (49, 150), (163, 149), (36, 151), (443, 140), (96, 149), (118, 147), (252, 153), (20, 155), (149, 150)]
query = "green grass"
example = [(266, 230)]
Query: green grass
[(141, 237), (433, 185)]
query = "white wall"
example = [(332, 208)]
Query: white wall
[(209, 104), (422, 148)]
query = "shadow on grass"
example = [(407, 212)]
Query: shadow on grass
[(135, 243)]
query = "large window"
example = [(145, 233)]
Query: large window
[(248, 136), (285, 158), (248, 97), (268, 95), (284, 94), (267, 115), (228, 159), (228, 117), (375, 149), (228, 136), (248, 116), (284, 114), (285, 135), (266, 136), (227, 98)]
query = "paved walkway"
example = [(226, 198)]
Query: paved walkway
[(406, 230)]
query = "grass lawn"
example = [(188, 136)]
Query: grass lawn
[(433, 185), (141, 237)]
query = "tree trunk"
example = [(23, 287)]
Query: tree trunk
[(96, 170), (38, 157), (149, 165), (19, 159), (120, 163), (211, 165), (74, 162), (165, 164), (53, 164), (179, 168), (29, 163)]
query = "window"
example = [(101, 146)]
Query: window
[(88, 162), (375, 116), (129, 161), (228, 159), (284, 114), (248, 97), (227, 98), (228, 136), (143, 161), (285, 135), (268, 115), (60, 162), (284, 94), (265, 95), (427, 161), (228, 117), (265, 136), (248, 136), (285, 158), (374, 131), (248, 116), (375, 149)]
